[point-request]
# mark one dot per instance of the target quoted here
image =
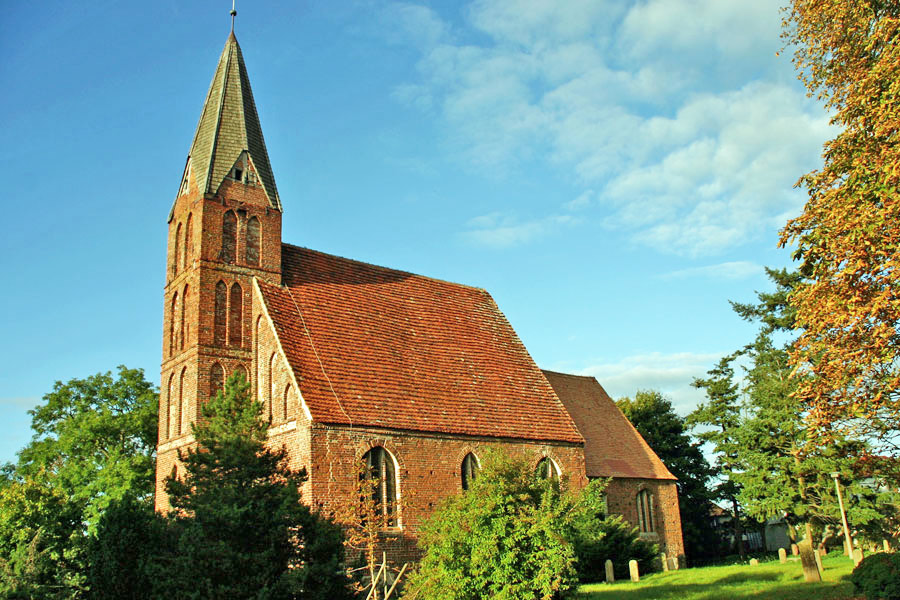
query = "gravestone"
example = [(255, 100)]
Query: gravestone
[(673, 564), (664, 561), (782, 556), (610, 576), (795, 550), (811, 570), (818, 556), (857, 556), (754, 562), (886, 545), (633, 570)]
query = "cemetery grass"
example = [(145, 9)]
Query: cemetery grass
[(769, 579)]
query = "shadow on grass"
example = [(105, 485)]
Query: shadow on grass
[(742, 577), (824, 591)]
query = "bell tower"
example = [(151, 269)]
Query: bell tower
[(224, 230)]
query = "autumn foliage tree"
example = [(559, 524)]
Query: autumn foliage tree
[(848, 236)]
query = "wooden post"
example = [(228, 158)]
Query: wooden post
[(664, 561), (633, 570), (610, 575), (808, 560), (795, 550), (857, 556), (782, 556)]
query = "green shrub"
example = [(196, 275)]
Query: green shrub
[(508, 538), (878, 577), (598, 539)]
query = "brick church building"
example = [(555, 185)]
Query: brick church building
[(413, 375)]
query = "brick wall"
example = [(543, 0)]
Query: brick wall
[(622, 499)]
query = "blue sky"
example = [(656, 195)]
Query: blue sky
[(612, 171)]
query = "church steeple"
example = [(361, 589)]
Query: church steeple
[(229, 140)]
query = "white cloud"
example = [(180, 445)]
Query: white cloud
[(671, 374), (727, 270), (584, 200), (673, 112), (496, 230)]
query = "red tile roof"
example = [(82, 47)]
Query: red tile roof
[(379, 347), (612, 446)]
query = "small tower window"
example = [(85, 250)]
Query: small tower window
[(229, 236), (238, 174), (235, 315), (270, 396), (182, 321), (182, 402), (173, 316), (170, 407), (176, 255), (216, 380), (469, 470), (220, 317), (253, 235), (284, 406), (188, 239), (645, 511)]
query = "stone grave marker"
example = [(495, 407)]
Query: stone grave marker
[(782, 556), (610, 576), (633, 570)]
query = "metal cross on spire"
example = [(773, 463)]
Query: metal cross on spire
[(233, 15)]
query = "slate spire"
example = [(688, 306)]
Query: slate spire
[(229, 126)]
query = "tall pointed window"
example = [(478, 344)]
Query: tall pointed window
[(284, 403), (170, 407), (260, 364), (547, 469), (253, 239), (645, 511), (235, 315), (229, 237), (243, 371), (381, 474), (182, 403), (270, 383), (216, 380), (176, 256), (173, 317), (469, 470), (220, 316), (188, 239), (182, 321)]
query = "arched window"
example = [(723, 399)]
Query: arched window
[(253, 239), (188, 239), (170, 407), (216, 380), (235, 315), (270, 381), (229, 237), (469, 470), (173, 316), (382, 474), (182, 404), (176, 256), (243, 371), (547, 469), (645, 511), (182, 322), (285, 400), (220, 317)]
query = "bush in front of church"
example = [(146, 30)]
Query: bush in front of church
[(509, 536)]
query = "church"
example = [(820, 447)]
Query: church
[(360, 364)]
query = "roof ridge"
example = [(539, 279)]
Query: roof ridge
[(391, 269)]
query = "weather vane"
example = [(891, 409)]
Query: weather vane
[(233, 15)]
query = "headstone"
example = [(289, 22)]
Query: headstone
[(664, 561), (681, 562), (795, 550), (610, 576), (673, 564), (633, 570), (754, 562), (886, 545), (818, 556), (857, 556), (782, 556), (808, 560)]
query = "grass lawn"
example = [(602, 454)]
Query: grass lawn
[(736, 582)]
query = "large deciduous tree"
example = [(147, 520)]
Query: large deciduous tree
[(654, 417), (848, 236)]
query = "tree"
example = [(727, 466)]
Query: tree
[(720, 419), (507, 537), (656, 420), (240, 529), (848, 236), (94, 443)]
